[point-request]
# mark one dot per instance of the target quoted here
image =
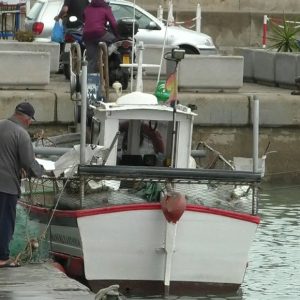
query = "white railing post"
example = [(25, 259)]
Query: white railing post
[(255, 122), (170, 14), (139, 79), (160, 13), (27, 7), (198, 18), (83, 112), (255, 132)]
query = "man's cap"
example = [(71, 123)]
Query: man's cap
[(26, 108)]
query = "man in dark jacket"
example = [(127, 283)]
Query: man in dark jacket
[(16, 158), (72, 8), (96, 16)]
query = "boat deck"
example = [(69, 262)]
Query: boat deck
[(40, 281)]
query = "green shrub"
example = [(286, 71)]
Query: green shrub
[(284, 37)]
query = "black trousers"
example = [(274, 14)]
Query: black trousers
[(92, 51), (8, 205)]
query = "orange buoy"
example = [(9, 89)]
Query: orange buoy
[(173, 206)]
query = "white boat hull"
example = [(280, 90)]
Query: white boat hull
[(126, 244)]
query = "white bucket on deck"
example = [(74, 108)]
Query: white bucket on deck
[(246, 164)]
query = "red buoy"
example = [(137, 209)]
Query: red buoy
[(173, 206)]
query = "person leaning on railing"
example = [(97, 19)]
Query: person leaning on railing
[(72, 8)]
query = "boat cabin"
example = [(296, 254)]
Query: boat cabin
[(145, 132)]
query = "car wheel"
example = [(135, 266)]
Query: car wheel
[(189, 50)]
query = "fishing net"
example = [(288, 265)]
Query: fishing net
[(26, 245)]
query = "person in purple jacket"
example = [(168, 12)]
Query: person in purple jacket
[(96, 16)]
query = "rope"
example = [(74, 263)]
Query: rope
[(163, 48), (40, 137), (281, 188), (281, 173), (57, 202), (280, 21)]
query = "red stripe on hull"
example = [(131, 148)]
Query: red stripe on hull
[(142, 206)]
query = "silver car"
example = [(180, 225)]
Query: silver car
[(40, 21)]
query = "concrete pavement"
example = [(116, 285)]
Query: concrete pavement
[(40, 281)]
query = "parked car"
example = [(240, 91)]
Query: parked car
[(40, 21)]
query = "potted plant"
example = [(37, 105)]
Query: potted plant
[(284, 37)]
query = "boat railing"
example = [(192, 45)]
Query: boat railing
[(123, 185), (174, 174)]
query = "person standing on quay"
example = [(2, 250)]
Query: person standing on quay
[(16, 158), (72, 8)]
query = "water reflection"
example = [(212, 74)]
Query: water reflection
[(274, 262)]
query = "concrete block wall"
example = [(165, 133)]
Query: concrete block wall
[(248, 62), (43, 103), (152, 55), (287, 68), (52, 48), (233, 110), (279, 111), (210, 72), (264, 65), (24, 69), (271, 67), (51, 107), (218, 109)]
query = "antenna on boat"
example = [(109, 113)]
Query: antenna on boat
[(139, 76), (171, 228), (170, 20), (175, 56), (133, 46), (255, 150)]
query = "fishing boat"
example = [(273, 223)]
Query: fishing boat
[(132, 208)]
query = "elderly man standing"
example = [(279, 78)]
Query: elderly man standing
[(16, 158)]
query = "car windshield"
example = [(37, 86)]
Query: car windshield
[(35, 10), (126, 11)]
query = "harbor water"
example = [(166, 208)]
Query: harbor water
[(274, 261)]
